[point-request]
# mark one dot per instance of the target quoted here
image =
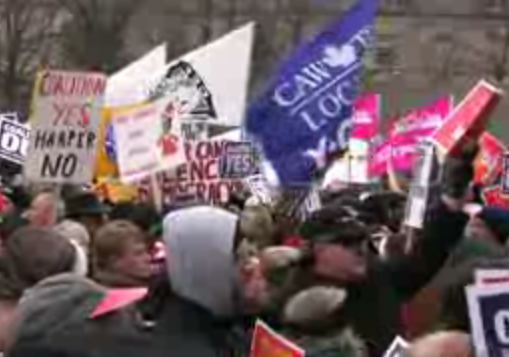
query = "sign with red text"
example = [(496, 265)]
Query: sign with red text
[(468, 120), (145, 145), (64, 120), (268, 343), (198, 179), (417, 125)]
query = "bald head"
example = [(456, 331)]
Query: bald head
[(43, 211), (442, 344)]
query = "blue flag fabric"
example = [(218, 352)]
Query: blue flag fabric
[(305, 115)]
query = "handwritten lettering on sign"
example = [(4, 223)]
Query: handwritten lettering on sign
[(65, 120)]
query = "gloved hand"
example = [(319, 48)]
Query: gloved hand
[(458, 172)]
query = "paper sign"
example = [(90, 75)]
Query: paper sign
[(145, 145), (488, 164), (397, 348), (468, 119), (268, 343), (260, 188), (14, 140), (239, 160), (198, 179), (200, 92), (366, 118), (488, 307), (65, 119)]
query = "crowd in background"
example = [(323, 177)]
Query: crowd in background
[(193, 280)]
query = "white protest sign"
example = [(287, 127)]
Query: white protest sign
[(65, 119), (14, 140), (208, 85), (488, 307), (491, 276), (145, 147), (126, 87)]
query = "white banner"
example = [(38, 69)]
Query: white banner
[(65, 119)]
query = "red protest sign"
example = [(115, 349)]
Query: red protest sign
[(494, 197), (468, 119), (268, 343)]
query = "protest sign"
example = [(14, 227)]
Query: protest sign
[(312, 99), (65, 119), (239, 160), (145, 145), (414, 127), (126, 87), (489, 162), (201, 95), (467, 121), (198, 179), (106, 165), (14, 140), (397, 348), (268, 343), (366, 117), (488, 307), (12, 116)]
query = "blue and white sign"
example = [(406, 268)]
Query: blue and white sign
[(489, 318), (305, 115)]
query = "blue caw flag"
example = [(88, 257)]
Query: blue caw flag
[(305, 115)]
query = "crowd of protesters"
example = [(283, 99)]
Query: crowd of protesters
[(84, 277)]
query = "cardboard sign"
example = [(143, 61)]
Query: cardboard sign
[(468, 120), (397, 348), (267, 343), (198, 179), (66, 112), (239, 160), (366, 118), (144, 145), (489, 163), (14, 140), (488, 307)]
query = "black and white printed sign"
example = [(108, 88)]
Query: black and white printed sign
[(488, 307), (14, 140)]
